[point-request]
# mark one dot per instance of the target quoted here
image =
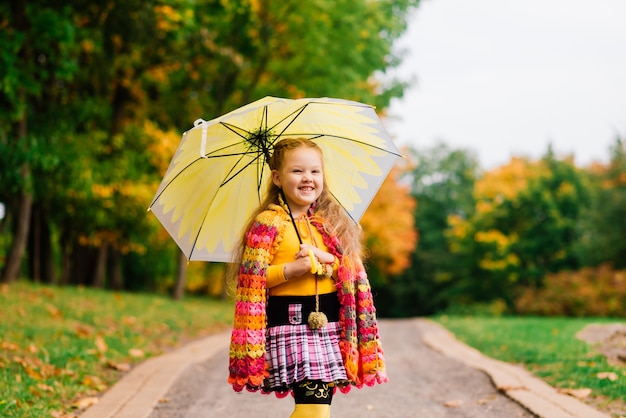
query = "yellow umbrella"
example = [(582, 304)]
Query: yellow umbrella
[(219, 173)]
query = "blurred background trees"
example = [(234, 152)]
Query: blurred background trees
[(95, 97)]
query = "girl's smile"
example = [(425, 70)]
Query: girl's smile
[(300, 178)]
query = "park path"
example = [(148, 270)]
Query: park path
[(432, 375), (423, 383)]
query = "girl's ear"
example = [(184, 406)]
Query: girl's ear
[(276, 178)]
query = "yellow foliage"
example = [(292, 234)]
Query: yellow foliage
[(493, 236), (389, 225), (162, 145), (505, 182)]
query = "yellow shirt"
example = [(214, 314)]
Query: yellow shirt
[(299, 285)]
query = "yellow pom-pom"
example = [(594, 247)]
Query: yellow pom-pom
[(317, 320)]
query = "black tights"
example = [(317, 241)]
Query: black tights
[(313, 392)]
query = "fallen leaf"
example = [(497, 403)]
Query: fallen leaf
[(101, 345), (53, 311), (122, 367), (32, 348), (9, 346), (129, 320), (136, 352), (93, 382), (577, 393), (45, 387), (85, 402), (607, 375), (83, 330), (164, 400), (33, 373), (453, 404)]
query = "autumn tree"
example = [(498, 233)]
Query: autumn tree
[(525, 225), (390, 235), (102, 87)]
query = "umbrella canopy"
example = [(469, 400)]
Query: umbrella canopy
[(219, 174)]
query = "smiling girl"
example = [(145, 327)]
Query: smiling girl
[(305, 321)]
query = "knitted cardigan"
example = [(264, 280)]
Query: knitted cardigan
[(359, 341)]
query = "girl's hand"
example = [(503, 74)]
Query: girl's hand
[(322, 256), (298, 267)]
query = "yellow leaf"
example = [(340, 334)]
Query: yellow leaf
[(607, 375), (101, 345), (83, 330), (93, 382), (85, 402), (45, 387), (9, 346), (53, 311), (136, 352), (33, 373)]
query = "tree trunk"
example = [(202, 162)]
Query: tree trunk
[(181, 277), (101, 262), (47, 254), (66, 255), (18, 246), (14, 260), (117, 279), (35, 245)]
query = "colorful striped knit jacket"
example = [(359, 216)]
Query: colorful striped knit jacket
[(360, 343)]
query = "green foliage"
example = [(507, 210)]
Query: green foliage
[(592, 292), (548, 347), (441, 181), (604, 224), (59, 345), (92, 91)]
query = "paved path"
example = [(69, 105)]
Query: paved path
[(432, 375)]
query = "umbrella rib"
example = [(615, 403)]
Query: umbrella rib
[(343, 207), (316, 136), (297, 113), (172, 181)]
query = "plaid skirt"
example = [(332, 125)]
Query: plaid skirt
[(294, 352)]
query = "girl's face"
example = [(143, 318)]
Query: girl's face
[(301, 178)]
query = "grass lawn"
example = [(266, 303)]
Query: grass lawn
[(59, 346), (548, 347)]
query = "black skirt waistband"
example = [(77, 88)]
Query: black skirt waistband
[(295, 310)]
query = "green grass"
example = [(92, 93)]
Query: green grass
[(61, 345), (547, 347)]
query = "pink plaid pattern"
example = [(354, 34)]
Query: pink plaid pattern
[(295, 353)]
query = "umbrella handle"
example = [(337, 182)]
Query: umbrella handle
[(313, 262), (203, 142)]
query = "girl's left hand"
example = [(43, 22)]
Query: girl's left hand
[(322, 256)]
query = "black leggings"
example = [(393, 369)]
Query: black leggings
[(313, 392)]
